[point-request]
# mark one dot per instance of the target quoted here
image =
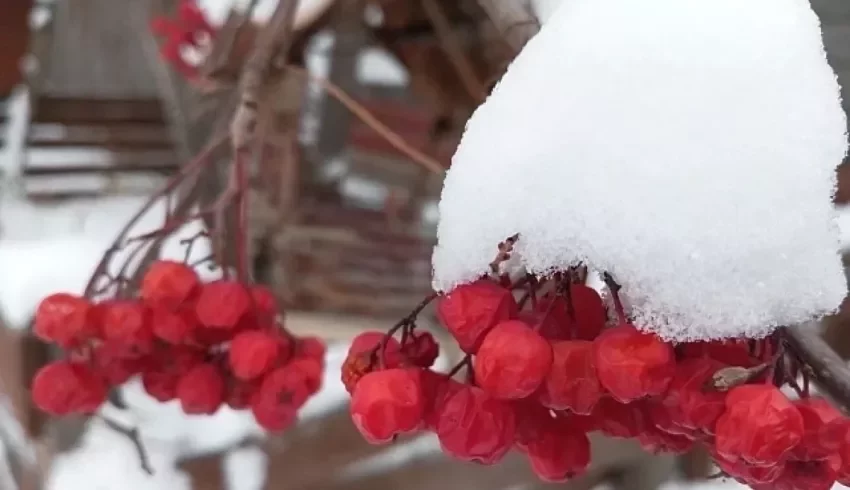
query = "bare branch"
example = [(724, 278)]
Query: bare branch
[(129, 430), (514, 19), (831, 373)]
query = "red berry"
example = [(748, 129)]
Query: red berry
[(282, 392), (174, 327), (421, 349), (115, 363), (615, 419), (689, 404), (127, 322), (818, 415), (471, 310), (561, 453), (473, 426), (253, 353), (265, 304), (161, 384), (388, 403), (748, 474), (571, 382), (361, 361), (241, 393), (168, 284), (631, 364), (729, 352), (201, 390), (581, 315), (513, 361), (311, 347), (760, 425), (436, 389), (803, 475), (532, 422), (62, 388), (64, 319), (222, 304), (655, 441), (312, 369)]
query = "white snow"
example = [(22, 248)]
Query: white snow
[(688, 147), (307, 11)]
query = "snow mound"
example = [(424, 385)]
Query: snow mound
[(687, 147)]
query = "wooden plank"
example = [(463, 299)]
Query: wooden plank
[(113, 136), (97, 111), (88, 185)]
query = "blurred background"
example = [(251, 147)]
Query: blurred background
[(92, 119)]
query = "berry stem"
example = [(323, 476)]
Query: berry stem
[(614, 288)]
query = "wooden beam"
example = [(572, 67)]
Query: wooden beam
[(97, 111)]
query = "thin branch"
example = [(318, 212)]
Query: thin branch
[(129, 431), (831, 373), (370, 120)]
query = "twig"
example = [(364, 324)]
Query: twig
[(131, 433), (819, 361), (370, 120)]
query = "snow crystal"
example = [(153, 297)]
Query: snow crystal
[(688, 147)]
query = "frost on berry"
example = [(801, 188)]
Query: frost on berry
[(388, 403), (689, 402), (421, 349), (64, 319), (632, 364), (63, 387), (571, 382), (760, 425), (173, 326), (253, 353), (512, 361), (474, 426), (365, 355), (222, 304), (169, 284), (127, 322), (201, 390), (818, 417), (282, 392), (560, 453), (471, 310)]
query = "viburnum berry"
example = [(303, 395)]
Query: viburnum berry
[(310, 347), (571, 382), (169, 284), (802, 475), (436, 389), (746, 473), (560, 453), (616, 419), (127, 322), (631, 364), (760, 425), (512, 361), (240, 393), (818, 415), (471, 310), (161, 384), (253, 353), (580, 316), (222, 304), (532, 421), (173, 326), (265, 305), (63, 387), (656, 441), (201, 390), (421, 349), (388, 403), (688, 403), (312, 370), (64, 319), (365, 355), (474, 426), (113, 362), (282, 392), (731, 352)]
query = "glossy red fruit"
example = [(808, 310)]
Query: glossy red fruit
[(253, 353), (169, 284), (655, 441), (728, 352), (62, 388), (580, 315), (760, 426), (746, 473), (688, 403), (282, 392), (65, 319), (421, 349), (240, 394), (310, 347), (817, 415), (388, 403), (561, 453), (631, 364), (201, 390), (113, 362), (471, 310), (532, 421), (436, 389), (222, 304), (474, 426), (802, 475), (363, 357), (161, 384), (264, 304), (173, 326), (571, 382), (616, 419), (513, 361), (127, 322), (312, 369)]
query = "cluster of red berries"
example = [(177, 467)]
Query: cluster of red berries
[(187, 30), (539, 379), (205, 344)]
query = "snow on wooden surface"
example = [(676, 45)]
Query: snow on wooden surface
[(688, 148)]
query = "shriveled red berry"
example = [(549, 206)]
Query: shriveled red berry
[(222, 304), (513, 360), (803, 475), (201, 390), (655, 441), (474, 426), (253, 353), (64, 319), (817, 415), (689, 404), (631, 364), (760, 425), (62, 388), (579, 315), (169, 284), (615, 419), (282, 392), (571, 382), (746, 473), (421, 349), (173, 326), (471, 310), (560, 453), (388, 403), (127, 322)]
